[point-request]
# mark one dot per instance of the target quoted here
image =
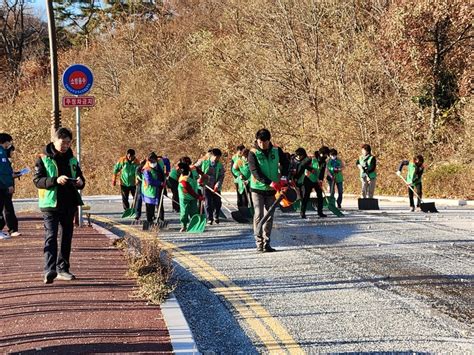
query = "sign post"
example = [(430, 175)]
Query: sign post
[(78, 80)]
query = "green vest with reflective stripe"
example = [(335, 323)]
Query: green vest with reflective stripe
[(363, 162), (411, 174), (315, 166), (206, 164), (333, 164), (268, 166), (192, 181), (149, 190), (48, 198)]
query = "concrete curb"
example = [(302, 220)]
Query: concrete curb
[(181, 336), (182, 339), (440, 201)]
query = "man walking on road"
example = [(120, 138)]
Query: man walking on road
[(57, 177), (126, 167), (269, 167)]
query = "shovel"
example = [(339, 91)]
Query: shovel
[(236, 215), (130, 212), (197, 224), (250, 211), (424, 206), (161, 224), (330, 204)]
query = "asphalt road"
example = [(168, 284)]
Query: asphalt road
[(380, 281)]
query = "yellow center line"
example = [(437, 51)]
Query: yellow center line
[(268, 329)]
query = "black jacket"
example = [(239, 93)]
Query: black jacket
[(257, 172), (68, 196)]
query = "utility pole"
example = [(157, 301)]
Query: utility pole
[(53, 53)]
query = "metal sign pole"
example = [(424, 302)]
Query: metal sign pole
[(78, 154)]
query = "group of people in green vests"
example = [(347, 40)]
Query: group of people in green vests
[(259, 174)]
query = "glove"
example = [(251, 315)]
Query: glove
[(363, 176), (216, 188), (275, 186), (399, 173), (284, 181), (114, 182), (320, 183), (201, 181), (201, 198), (163, 184)]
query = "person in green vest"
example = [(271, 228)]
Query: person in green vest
[(242, 170), (152, 187), (335, 177), (188, 192), (269, 167), (214, 173), (58, 177), (300, 163), (313, 180), (241, 195), (367, 165), (126, 167), (414, 176)]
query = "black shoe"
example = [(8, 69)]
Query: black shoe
[(322, 215), (217, 220), (303, 216), (268, 249), (339, 206), (210, 222), (260, 249), (50, 276)]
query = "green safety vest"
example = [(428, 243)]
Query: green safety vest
[(365, 162), (174, 174), (206, 165), (149, 190), (315, 166), (268, 166), (48, 198), (332, 164), (234, 159), (191, 180), (127, 171), (411, 175), (300, 166)]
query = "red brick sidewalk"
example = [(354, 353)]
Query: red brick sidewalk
[(94, 313)]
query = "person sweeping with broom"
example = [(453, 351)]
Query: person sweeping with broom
[(413, 180), (188, 193)]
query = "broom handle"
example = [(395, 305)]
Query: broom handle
[(222, 197), (411, 188)]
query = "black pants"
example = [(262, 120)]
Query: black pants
[(173, 184), (411, 195), (7, 212), (306, 189), (150, 209), (126, 190), (213, 205), (54, 260), (242, 198)]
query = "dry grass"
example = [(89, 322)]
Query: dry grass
[(150, 265)]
